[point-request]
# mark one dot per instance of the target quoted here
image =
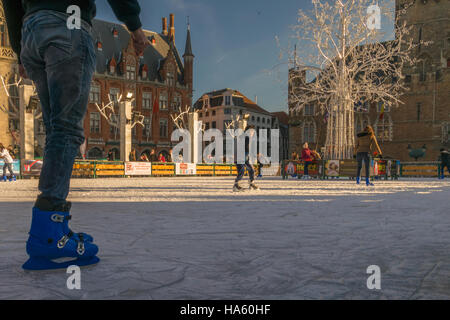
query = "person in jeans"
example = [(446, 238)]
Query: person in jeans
[(8, 160), (245, 165), (307, 159), (366, 142), (61, 62)]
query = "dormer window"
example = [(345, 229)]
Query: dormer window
[(170, 79), (227, 100), (131, 72)]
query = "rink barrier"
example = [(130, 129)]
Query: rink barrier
[(421, 169), (330, 169), (387, 169)]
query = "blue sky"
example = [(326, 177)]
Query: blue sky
[(233, 42)]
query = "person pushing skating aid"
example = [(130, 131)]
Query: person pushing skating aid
[(61, 63)]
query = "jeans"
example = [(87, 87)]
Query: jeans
[(360, 157), (305, 171), (443, 165), (9, 167), (241, 171), (61, 63)]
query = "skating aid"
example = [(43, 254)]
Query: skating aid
[(48, 243)]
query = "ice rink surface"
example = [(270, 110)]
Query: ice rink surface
[(193, 238)]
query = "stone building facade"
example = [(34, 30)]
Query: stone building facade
[(422, 122)]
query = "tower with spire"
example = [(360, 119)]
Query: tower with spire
[(189, 62)]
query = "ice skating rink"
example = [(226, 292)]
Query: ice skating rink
[(193, 238)]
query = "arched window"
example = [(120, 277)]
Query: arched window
[(176, 103), (361, 121), (384, 128), (163, 101), (309, 131), (445, 132), (4, 39)]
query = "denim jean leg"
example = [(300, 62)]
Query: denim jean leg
[(251, 171), (68, 58), (241, 172)]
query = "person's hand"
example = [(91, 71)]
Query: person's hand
[(22, 72), (140, 41)]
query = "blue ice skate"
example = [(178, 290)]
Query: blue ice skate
[(48, 243), (368, 183), (4, 178), (12, 178), (358, 180)]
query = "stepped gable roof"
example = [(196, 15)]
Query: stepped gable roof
[(154, 55)]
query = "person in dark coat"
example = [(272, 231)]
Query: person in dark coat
[(445, 162), (153, 156)]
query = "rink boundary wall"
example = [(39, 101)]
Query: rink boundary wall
[(330, 169)]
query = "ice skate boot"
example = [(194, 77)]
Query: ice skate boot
[(48, 243), (46, 205), (358, 180), (253, 186), (237, 188), (4, 179), (368, 183), (12, 179)]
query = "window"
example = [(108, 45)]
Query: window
[(207, 114), (213, 125), (170, 79), (419, 111), (200, 115), (382, 107), (147, 129), (227, 111), (95, 122), (214, 113), (131, 73), (163, 128), (163, 101), (3, 35), (94, 94), (309, 132), (308, 110), (227, 100), (114, 94), (176, 104), (115, 120), (263, 120), (258, 119), (445, 132), (147, 100), (383, 128), (207, 126)]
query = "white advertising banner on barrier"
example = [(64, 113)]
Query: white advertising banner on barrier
[(185, 169), (138, 169), (273, 170)]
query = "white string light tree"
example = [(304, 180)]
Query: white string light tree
[(125, 120), (347, 60), (26, 112)]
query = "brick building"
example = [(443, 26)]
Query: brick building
[(161, 74), (159, 77), (424, 118)]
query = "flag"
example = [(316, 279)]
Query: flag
[(155, 106), (382, 111)]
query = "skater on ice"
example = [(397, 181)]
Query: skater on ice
[(366, 143), (246, 165), (307, 159), (4, 154), (445, 162), (61, 62)]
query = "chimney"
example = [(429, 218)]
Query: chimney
[(164, 26), (172, 27)]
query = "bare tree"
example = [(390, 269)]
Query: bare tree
[(12, 110), (346, 61)]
